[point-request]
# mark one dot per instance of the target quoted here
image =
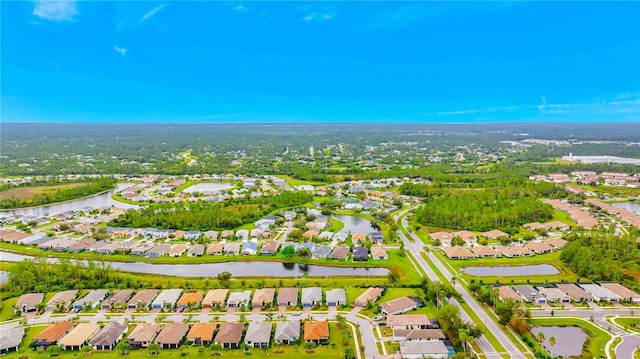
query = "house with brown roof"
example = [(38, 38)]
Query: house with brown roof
[(534, 226), (316, 331), (416, 321), (379, 253), (118, 299), (215, 297), (62, 299), (78, 336), (192, 299), (458, 252), (358, 237), (29, 302), (13, 236), (555, 242), (576, 293), (340, 253), (505, 292), (171, 335), (485, 252), (195, 251), (469, 237), (558, 225), (143, 298), (258, 334), (444, 237), (143, 335), (369, 296), (229, 335), (215, 248), (495, 234), (263, 297), (539, 247), (399, 305), (52, 334), (201, 333), (177, 250), (232, 249), (109, 336), (288, 297), (269, 248), (400, 335), (623, 292)]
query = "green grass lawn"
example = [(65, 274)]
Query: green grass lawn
[(336, 225), (297, 182), (630, 323), (597, 337), (8, 309)]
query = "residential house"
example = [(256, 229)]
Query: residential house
[(340, 253), (400, 335), (118, 299), (554, 294), (52, 334), (287, 332), (78, 336), (269, 248), (196, 251), (143, 335), (310, 246), (506, 292), (62, 299), (263, 297), (311, 233), (539, 247), (336, 297), (10, 339), (288, 297), (171, 335), (399, 305), (177, 250), (311, 296), (576, 293), (555, 242), (416, 321), (242, 234), (529, 293), (143, 298), (258, 334), (258, 233), (109, 336), (201, 333), (192, 235), (376, 237), (265, 223), (379, 253), (29, 302), (215, 248), (215, 297), (444, 237), (322, 251), (166, 299), (534, 226), (369, 296), (237, 299), (157, 251), (468, 237), (558, 225), (340, 236), (192, 299), (224, 235), (212, 235), (495, 234), (249, 248), (232, 248), (600, 294), (316, 331), (360, 254), (418, 349), (142, 248), (485, 252), (326, 235), (92, 299), (623, 292), (229, 335), (358, 237), (458, 252)]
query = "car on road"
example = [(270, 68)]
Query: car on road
[(379, 317), (296, 314)]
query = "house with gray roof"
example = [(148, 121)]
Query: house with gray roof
[(418, 349), (196, 251), (92, 299), (236, 299), (118, 299), (109, 336), (192, 235), (232, 248), (10, 339), (157, 251), (599, 293), (62, 299), (322, 251), (529, 293), (336, 297), (249, 248), (376, 237), (242, 234), (287, 332), (288, 297), (310, 246), (360, 254), (167, 299), (258, 334), (311, 296)]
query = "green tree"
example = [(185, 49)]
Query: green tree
[(53, 350), (123, 348), (289, 251), (154, 348)]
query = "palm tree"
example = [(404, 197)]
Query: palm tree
[(154, 348), (540, 337), (463, 335), (123, 348), (552, 341)]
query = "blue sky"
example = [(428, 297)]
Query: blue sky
[(320, 61)]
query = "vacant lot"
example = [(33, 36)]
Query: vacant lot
[(29, 193)]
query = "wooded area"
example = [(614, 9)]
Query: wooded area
[(23, 196)]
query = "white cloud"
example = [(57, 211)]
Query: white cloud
[(307, 18), (121, 50), (151, 13), (314, 16), (56, 10)]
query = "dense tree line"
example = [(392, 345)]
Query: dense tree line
[(505, 209), (29, 276), (88, 187), (209, 216), (601, 257)]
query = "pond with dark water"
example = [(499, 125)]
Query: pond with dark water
[(511, 271)]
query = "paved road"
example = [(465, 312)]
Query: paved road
[(416, 247)]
